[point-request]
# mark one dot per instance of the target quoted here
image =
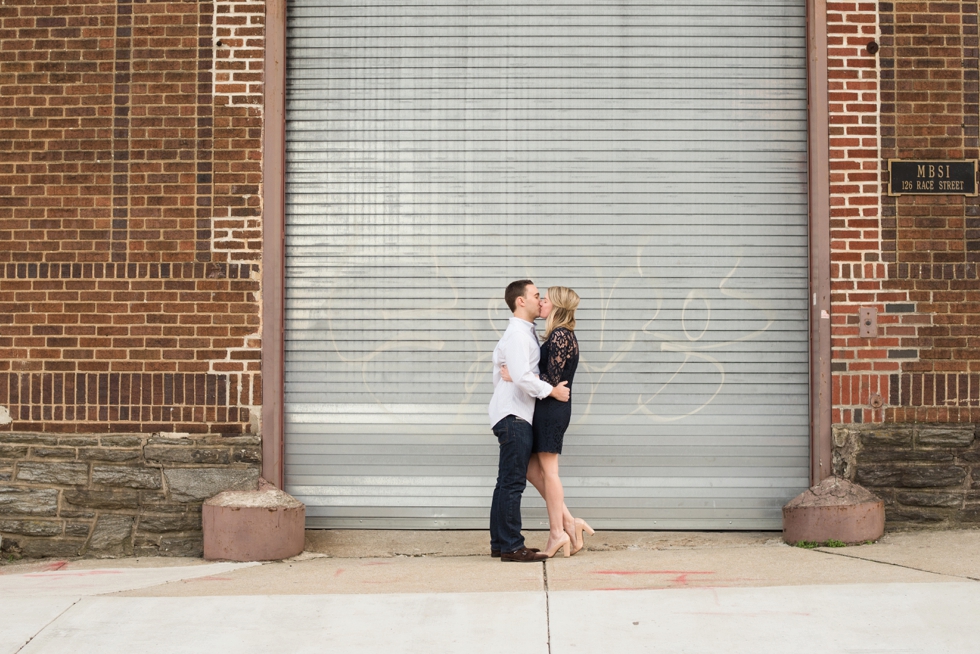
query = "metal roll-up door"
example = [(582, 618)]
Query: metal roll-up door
[(650, 155)]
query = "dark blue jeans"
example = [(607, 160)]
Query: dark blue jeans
[(515, 438)]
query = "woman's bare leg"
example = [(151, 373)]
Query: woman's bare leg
[(535, 475), (554, 497)]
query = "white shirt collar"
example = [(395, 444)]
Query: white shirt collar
[(525, 325)]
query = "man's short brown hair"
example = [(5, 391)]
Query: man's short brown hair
[(514, 291)]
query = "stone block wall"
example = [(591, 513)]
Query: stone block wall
[(927, 474), (115, 495)]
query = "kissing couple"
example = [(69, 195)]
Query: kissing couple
[(529, 413)]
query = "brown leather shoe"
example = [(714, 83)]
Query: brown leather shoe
[(524, 555), (496, 553)]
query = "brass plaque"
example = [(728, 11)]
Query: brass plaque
[(932, 177)]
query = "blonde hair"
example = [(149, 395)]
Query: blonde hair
[(564, 301)]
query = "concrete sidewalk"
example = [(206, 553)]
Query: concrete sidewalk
[(688, 592)]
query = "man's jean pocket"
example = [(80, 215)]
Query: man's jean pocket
[(505, 429)]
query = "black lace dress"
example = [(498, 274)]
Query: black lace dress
[(559, 359)]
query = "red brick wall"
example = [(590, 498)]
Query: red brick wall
[(931, 111), (913, 258), (130, 234), (861, 366), (130, 168)]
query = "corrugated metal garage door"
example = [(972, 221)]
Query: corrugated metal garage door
[(650, 155)]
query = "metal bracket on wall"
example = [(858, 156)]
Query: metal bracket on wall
[(868, 322)]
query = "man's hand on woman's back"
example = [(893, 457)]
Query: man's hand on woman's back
[(561, 392)]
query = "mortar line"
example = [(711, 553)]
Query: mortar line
[(897, 565), (51, 622), (547, 603)]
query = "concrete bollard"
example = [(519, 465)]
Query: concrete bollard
[(834, 509), (260, 525)]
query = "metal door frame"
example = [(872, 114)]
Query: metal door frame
[(274, 257)]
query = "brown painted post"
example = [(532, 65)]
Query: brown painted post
[(819, 188), (273, 231)]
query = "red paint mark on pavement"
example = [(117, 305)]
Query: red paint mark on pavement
[(80, 573), (48, 567), (680, 576), (651, 572), (339, 572)]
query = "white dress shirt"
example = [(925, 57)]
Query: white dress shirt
[(518, 348)]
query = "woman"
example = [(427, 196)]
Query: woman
[(559, 359)]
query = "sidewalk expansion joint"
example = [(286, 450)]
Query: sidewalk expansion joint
[(897, 565), (547, 603), (51, 622)]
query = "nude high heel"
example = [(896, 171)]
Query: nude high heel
[(580, 526), (565, 542)]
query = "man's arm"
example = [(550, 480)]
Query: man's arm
[(519, 350), (518, 360), (560, 392), (495, 360)]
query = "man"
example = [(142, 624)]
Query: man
[(511, 413)]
